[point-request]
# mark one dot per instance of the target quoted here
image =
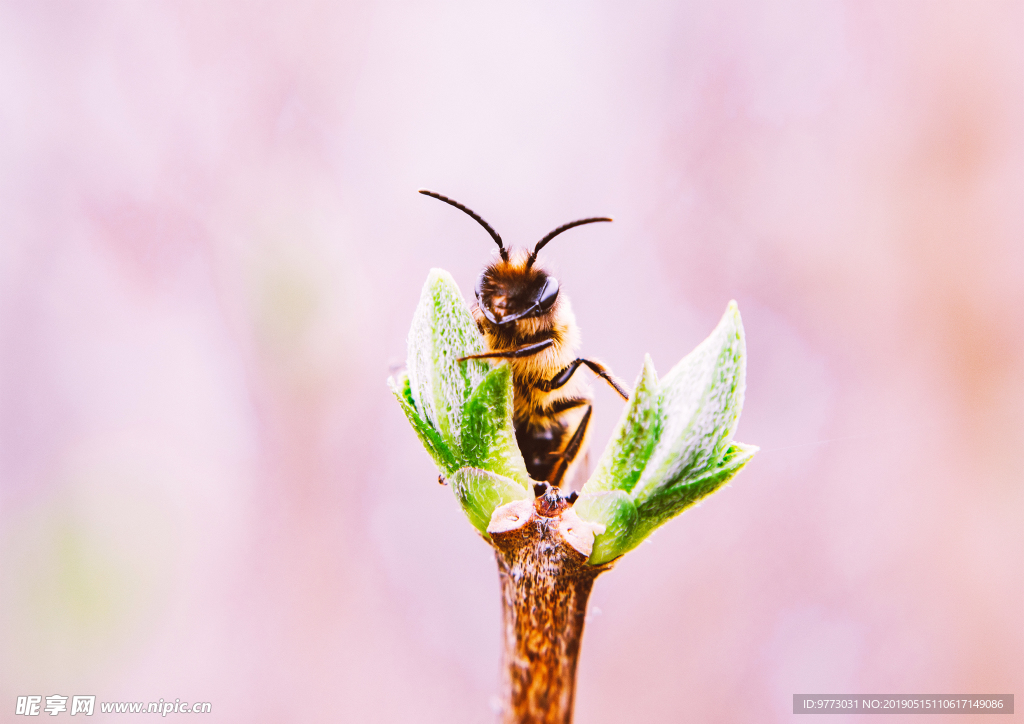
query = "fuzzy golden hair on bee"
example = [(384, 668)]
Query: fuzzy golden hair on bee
[(527, 320)]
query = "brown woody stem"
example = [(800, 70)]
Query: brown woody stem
[(542, 548)]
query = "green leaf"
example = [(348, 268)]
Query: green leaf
[(615, 511), (442, 331), (481, 491), (461, 411), (431, 439), (672, 446), (670, 501), (623, 461), (699, 407), (488, 436)]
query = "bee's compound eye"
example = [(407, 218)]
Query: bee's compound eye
[(480, 285), (548, 293), (485, 306)]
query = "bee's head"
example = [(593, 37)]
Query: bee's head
[(513, 289)]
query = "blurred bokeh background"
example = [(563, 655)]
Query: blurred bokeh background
[(211, 248)]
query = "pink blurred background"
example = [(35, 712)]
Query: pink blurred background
[(211, 248)]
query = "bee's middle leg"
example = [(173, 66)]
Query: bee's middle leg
[(597, 368), (571, 450)]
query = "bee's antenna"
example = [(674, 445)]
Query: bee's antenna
[(564, 227), (476, 216)]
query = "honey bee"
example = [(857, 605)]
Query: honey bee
[(526, 320)]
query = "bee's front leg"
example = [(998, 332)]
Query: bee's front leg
[(525, 351)]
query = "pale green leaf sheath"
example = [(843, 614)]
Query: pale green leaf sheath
[(488, 436), (480, 492), (447, 461), (443, 331), (461, 411), (700, 406), (624, 459), (613, 509), (672, 447), (675, 499)]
